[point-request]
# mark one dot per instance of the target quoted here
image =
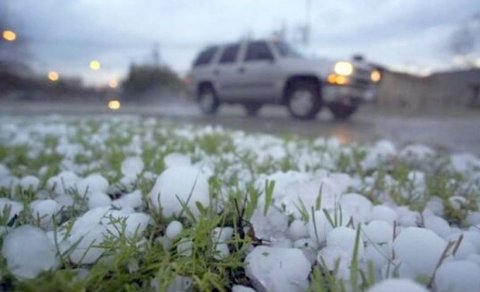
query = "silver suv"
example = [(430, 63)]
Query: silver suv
[(254, 73)]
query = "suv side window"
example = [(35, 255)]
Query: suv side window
[(258, 51), (205, 57), (229, 55)]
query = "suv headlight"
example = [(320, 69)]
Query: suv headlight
[(375, 76), (343, 68)]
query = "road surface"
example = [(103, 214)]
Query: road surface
[(459, 132)]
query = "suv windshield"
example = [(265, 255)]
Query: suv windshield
[(205, 56), (286, 50)]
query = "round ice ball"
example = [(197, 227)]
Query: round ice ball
[(132, 166), (28, 252), (344, 238), (458, 276), (438, 225), (359, 206), (297, 229), (178, 186), (378, 232), (319, 225), (63, 182), (13, 207), (91, 184), (394, 285), (176, 159), (384, 213), (420, 248), (29, 183), (98, 199), (43, 211), (173, 229)]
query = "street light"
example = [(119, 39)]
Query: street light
[(53, 76), (114, 104), (9, 35), (113, 83), (94, 65)]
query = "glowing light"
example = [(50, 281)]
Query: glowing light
[(375, 76), (343, 68), (343, 135), (337, 79), (332, 78), (9, 35), (341, 80), (114, 104), (112, 83), (53, 76), (95, 65)]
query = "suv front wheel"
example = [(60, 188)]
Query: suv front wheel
[(303, 100), (208, 100)]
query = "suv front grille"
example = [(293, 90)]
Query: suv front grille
[(361, 74), (361, 82), (361, 78)]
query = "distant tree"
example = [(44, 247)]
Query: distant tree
[(14, 72), (462, 41), (13, 55), (465, 39), (147, 78)]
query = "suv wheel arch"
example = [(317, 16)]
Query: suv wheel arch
[(302, 96), (207, 98), (290, 82)]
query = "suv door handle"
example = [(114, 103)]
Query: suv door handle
[(241, 70), (216, 72)]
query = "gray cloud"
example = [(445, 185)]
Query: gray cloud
[(67, 34)]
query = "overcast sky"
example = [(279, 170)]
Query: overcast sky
[(64, 35)]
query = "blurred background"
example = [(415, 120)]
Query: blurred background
[(120, 55)]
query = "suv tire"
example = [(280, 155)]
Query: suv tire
[(252, 109), (304, 100), (342, 111), (208, 100)]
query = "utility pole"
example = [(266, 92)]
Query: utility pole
[(156, 55), (308, 23), (281, 33)]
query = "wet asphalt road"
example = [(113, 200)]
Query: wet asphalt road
[(457, 132), (452, 133)]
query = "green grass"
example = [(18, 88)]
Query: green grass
[(142, 262)]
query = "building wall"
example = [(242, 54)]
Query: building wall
[(405, 92)]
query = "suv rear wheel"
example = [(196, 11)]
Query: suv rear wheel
[(252, 109), (208, 100), (303, 100)]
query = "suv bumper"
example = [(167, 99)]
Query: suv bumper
[(335, 93)]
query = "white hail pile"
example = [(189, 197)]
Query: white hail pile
[(315, 213)]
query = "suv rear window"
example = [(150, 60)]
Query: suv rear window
[(257, 51), (229, 55), (205, 56)]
